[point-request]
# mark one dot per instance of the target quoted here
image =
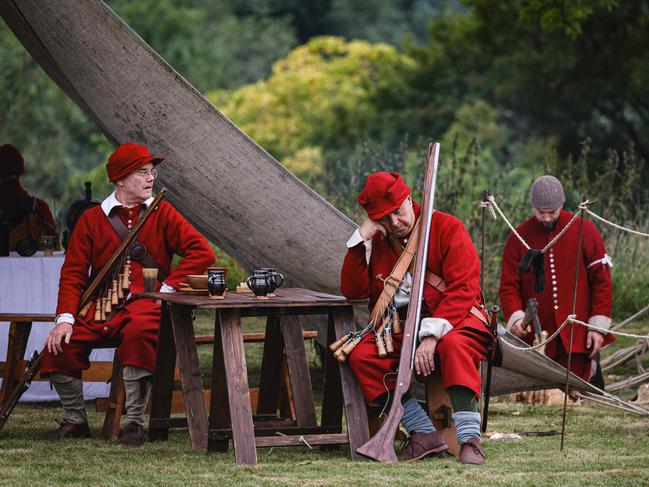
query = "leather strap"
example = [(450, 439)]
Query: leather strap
[(122, 231), (431, 278), (475, 311), (399, 270), (438, 283)]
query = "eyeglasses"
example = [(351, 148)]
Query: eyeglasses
[(147, 172)]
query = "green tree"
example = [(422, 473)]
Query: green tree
[(317, 114), (563, 70), (208, 42), (56, 138), (320, 95)]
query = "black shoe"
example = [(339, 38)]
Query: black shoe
[(133, 435), (70, 430)]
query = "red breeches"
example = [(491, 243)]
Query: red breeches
[(375, 375), (580, 363), (458, 353), (134, 327)]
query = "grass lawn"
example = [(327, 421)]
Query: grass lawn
[(603, 447)]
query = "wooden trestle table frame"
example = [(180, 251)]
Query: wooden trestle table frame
[(230, 415)]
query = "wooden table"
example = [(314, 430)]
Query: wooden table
[(230, 414)]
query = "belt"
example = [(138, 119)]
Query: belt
[(438, 283)]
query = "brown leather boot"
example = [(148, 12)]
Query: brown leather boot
[(70, 430), (471, 452), (422, 445), (132, 435)]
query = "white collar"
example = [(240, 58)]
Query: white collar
[(111, 202)]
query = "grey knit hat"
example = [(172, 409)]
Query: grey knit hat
[(547, 193)]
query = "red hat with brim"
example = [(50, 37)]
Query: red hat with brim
[(127, 158), (383, 193), (11, 161)]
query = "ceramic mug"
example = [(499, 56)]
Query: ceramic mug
[(48, 243), (216, 283), (275, 279), (259, 283)]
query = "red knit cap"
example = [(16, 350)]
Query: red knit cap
[(127, 158), (11, 161), (383, 193)]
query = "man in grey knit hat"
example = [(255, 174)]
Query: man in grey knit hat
[(547, 197), (557, 280)]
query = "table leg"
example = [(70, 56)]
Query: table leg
[(332, 400), (16, 346), (298, 370), (190, 374), (163, 379), (355, 411), (271, 368), (236, 375), (219, 402)]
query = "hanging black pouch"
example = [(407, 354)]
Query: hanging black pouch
[(534, 259)]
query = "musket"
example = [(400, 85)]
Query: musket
[(483, 259), (532, 317), (107, 269), (34, 365), (493, 323), (381, 446)]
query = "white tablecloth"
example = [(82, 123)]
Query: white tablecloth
[(31, 285)]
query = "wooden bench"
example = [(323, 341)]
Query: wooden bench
[(20, 325), (11, 370)]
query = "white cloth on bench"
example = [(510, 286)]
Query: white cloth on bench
[(30, 285)]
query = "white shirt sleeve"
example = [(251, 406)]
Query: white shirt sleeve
[(355, 239), (166, 288), (64, 318)]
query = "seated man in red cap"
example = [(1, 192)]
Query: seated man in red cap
[(23, 218), (454, 336), (96, 236)]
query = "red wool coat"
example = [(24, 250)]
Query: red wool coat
[(452, 256), (594, 291), (91, 245), (12, 191)]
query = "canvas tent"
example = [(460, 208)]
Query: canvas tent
[(232, 190)]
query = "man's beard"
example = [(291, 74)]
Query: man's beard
[(549, 226)]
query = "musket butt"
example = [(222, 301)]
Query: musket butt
[(377, 453)]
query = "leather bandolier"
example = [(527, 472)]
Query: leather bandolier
[(437, 282), (137, 251)]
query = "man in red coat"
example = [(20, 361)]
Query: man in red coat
[(594, 293), (454, 336), (23, 218), (131, 168)]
